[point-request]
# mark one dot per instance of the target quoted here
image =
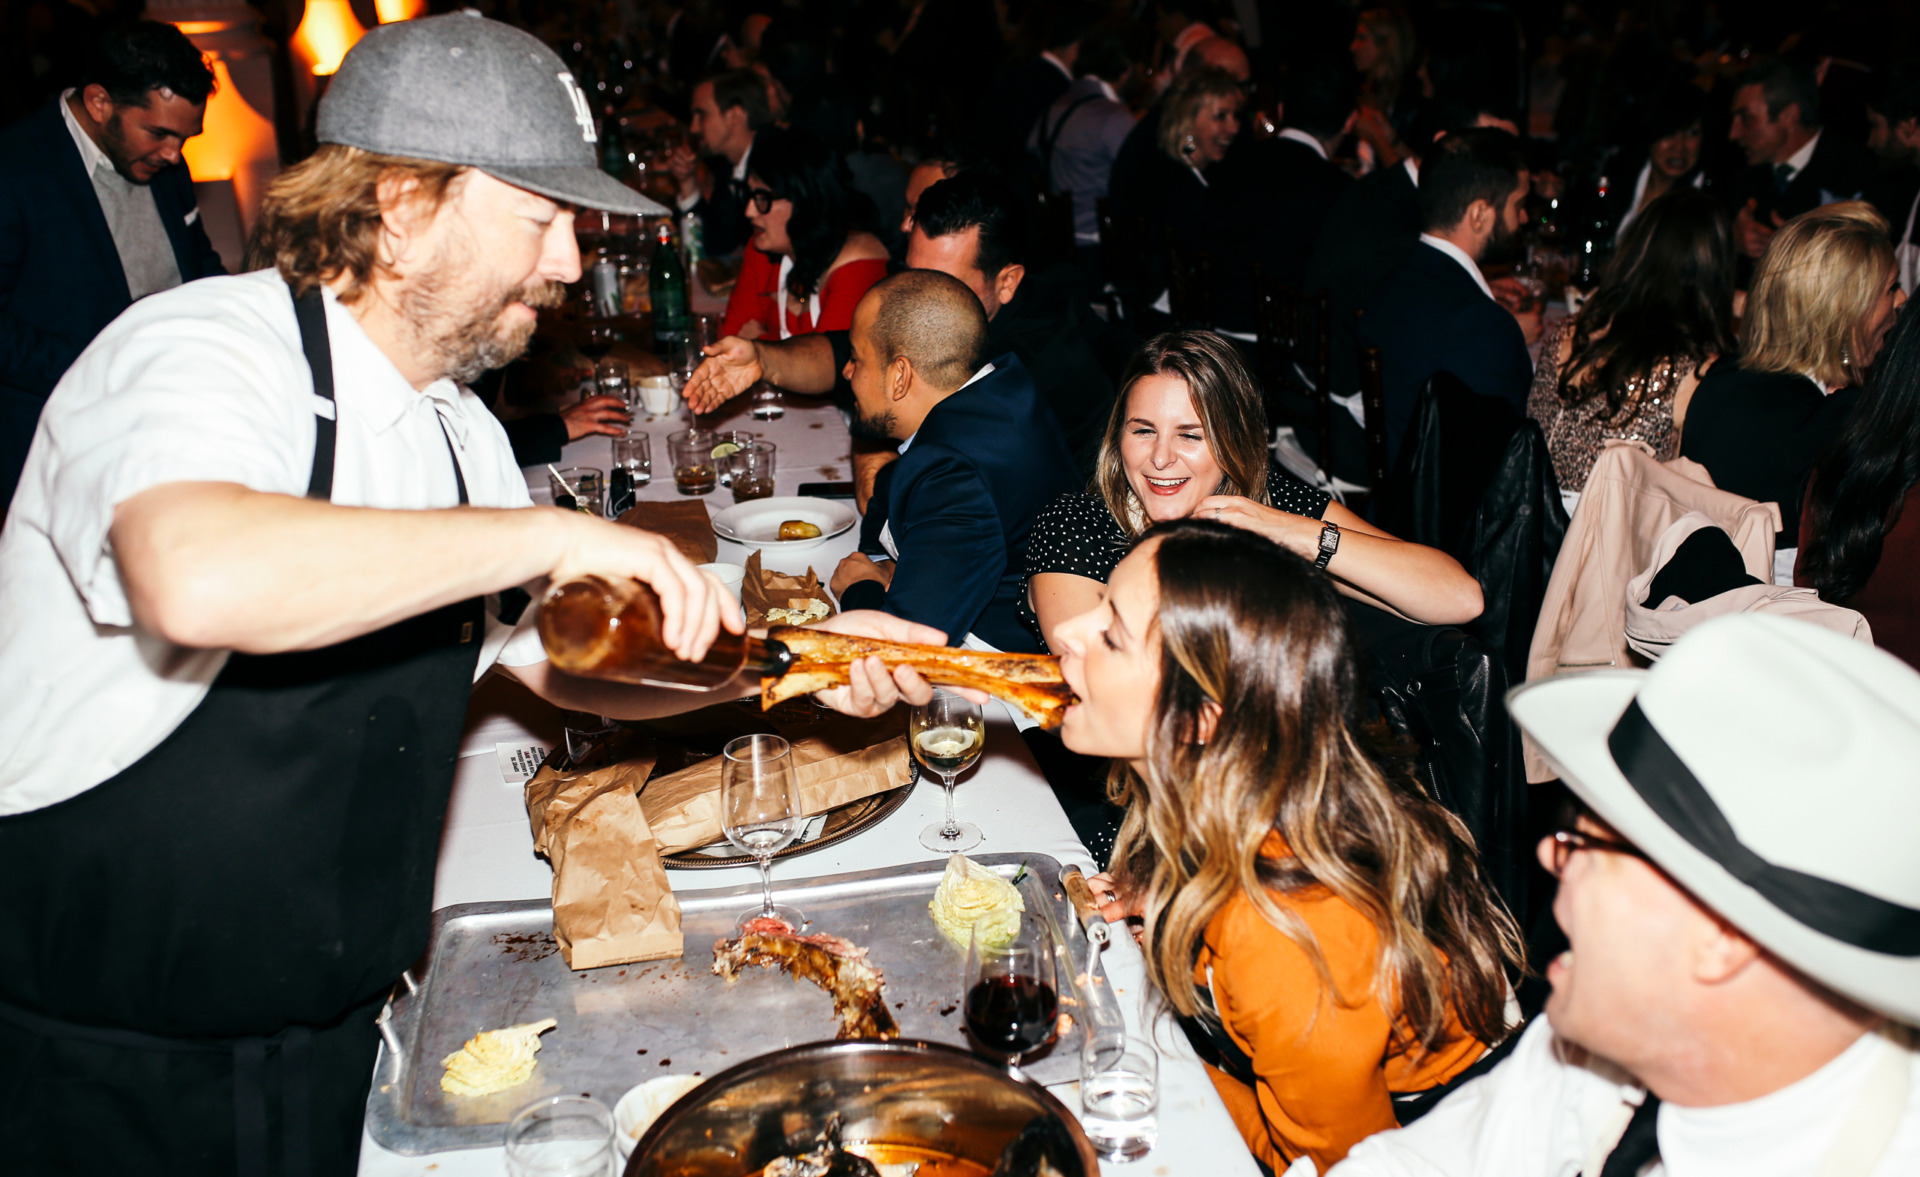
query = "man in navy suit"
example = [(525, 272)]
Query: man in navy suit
[(1436, 313), (981, 455), (95, 212)]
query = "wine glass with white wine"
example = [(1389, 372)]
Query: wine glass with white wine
[(948, 734), (760, 811)]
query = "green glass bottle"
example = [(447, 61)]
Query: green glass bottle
[(667, 283)]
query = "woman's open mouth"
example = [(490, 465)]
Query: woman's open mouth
[(1167, 486)]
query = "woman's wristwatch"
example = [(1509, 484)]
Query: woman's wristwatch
[(1329, 544)]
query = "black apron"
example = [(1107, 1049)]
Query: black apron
[(192, 953)]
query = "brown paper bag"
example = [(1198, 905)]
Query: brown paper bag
[(838, 762), (761, 590), (612, 903), (686, 524)]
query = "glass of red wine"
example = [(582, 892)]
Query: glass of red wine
[(1012, 1005)]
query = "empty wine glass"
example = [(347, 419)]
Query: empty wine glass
[(1012, 1003), (948, 733), (760, 811)]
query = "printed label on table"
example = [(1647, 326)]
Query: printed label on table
[(519, 761)]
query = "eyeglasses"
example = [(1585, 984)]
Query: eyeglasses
[(1566, 840), (762, 199)]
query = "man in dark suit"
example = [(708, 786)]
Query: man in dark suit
[(1282, 189), (726, 111), (981, 457), (1368, 234), (1791, 165), (95, 212), (1436, 312), (1029, 87)]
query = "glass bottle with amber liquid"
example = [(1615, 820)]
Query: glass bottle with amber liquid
[(597, 628)]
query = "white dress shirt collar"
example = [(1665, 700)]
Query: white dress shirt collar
[(1413, 169), (1047, 56), (740, 169), (1299, 136), (973, 379), (90, 153), (1459, 255), (1799, 160)]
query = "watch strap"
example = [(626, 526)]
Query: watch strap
[(1329, 544)]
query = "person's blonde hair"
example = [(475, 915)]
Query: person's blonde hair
[(1225, 397), (1185, 99), (1812, 292), (1255, 635), (321, 218)]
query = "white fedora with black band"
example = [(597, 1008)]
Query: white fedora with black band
[(1773, 770)]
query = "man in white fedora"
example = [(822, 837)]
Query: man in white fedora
[(1741, 893)]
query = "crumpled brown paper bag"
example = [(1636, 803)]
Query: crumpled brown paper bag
[(838, 762), (686, 524), (612, 903), (761, 590)]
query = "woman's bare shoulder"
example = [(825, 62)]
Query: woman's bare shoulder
[(860, 246)]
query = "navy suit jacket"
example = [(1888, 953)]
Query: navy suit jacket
[(60, 275), (1431, 316), (960, 504)]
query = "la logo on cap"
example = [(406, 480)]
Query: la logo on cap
[(581, 113)]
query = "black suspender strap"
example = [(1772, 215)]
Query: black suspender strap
[(311, 313), (1051, 135)]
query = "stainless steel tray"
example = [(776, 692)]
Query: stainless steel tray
[(495, 964)]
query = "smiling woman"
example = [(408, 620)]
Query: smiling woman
[(1188, 439)]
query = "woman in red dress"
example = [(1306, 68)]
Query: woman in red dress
[(807, 263)]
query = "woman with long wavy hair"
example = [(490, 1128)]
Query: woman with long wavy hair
[(1320, 923), (1860, 530), (810, 258), (1627, 364)]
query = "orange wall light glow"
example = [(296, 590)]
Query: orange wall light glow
[(235, 133), (326, 32), (390, 11)]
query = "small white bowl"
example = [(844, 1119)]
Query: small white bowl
[(641, 1106), (730, 575)]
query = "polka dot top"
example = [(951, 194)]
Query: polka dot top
[(1079, 536)]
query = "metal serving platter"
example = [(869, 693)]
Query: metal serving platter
[(495, 964)]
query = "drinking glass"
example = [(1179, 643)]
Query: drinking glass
[(727, 444), (562, 1136), (692, 453), (767, 405), (760, 811), (610, 379), (948, 733), (1119, 1096), (632, 469), (753, 471), (1012, 1004), (578, 488), (584, 731), (658, 395)]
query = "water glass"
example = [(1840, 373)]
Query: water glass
[(632, 469), (578, 488), (562, 1136), (1120, 1098), (610, 379), (767, 405), (693, 461), (753, 471)]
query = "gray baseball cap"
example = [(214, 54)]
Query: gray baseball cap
[(467, 90)]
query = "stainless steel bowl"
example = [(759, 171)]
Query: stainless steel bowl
[(905, 1093)]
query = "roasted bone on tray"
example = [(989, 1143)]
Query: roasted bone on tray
[(836, 965), (1031, 682)]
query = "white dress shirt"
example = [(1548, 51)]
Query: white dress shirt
[(203, 383), (1547, 1112), (1459, 255), (139, 236), (1299, 136), (687, 203), (1798, 161)]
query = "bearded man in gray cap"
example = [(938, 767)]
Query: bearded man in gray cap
[(260, 553), (1741, 894)]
